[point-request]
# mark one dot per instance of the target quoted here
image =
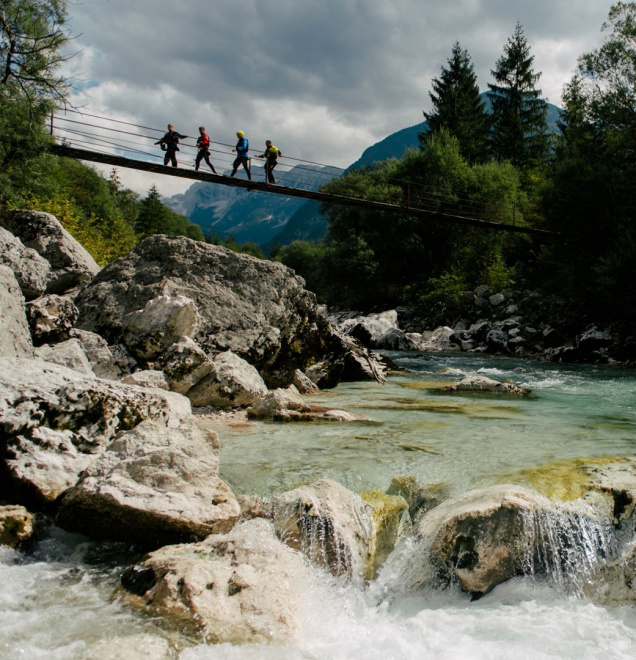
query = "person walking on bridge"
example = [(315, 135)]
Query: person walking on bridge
[(170, 143), (271, 155), (241, 151), (203, 145)]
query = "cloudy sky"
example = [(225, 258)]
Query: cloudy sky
[(324, 79)]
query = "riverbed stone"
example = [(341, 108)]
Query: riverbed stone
[(389, 523), (485, 384), (276, 401), (330, 524), (242, 587), (231, 382), (479, 538), (16, 525), (153, 485)]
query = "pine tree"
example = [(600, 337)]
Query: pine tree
[(518, 113), (458, 106), (153, 216)]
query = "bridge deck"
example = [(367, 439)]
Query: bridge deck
[(131, 163)]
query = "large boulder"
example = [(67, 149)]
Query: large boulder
[(54, 422), (237, 588), (30, 269), (70, 264), (255, 308), (153, 485), (487, 536), (15, 338), (330, 524)]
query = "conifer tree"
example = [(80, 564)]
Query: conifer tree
[(458, 106), (153, 216), (518, 113)]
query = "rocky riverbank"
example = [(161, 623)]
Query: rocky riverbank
[(523, 324), (115, 385)]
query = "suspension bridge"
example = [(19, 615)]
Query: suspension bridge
[(84, 139)]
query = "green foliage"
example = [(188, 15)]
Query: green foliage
[(458, 107), (105, 241), (248, 247), (592, 192), (32, 38), (377, 259), (310, 261), (518, 112)]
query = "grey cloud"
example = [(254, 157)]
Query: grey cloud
[(326, 73)]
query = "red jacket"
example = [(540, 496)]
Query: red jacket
[(203, 141)]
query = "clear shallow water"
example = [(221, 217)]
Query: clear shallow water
[(57, 603), (459, 439)]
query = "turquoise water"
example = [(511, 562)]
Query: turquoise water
[(460, 440), (58, 602)]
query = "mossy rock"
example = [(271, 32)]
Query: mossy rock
[(388, 513)]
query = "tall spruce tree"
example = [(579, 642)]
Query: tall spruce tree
[(519, 129), (458, 107)]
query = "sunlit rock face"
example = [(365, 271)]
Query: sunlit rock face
[(15, 338), (153, 485), (70, 265), (257, 309), (55, 421)]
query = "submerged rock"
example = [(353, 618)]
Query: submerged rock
[(484, 384), (153, 485), (239, 588), (16, 525), (330, 524)]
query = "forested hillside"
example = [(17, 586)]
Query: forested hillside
[(503, 165), (105, 217)]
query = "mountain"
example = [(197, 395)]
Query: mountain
[(248, 216)]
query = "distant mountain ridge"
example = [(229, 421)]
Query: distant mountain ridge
[(248, 216)]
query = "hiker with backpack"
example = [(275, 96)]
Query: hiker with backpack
[(271, 155), (170, 144)]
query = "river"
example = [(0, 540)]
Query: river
[(56, 602)]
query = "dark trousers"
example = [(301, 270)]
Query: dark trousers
[(170, 157), (203, 153), (241, 160), (269, 171)]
